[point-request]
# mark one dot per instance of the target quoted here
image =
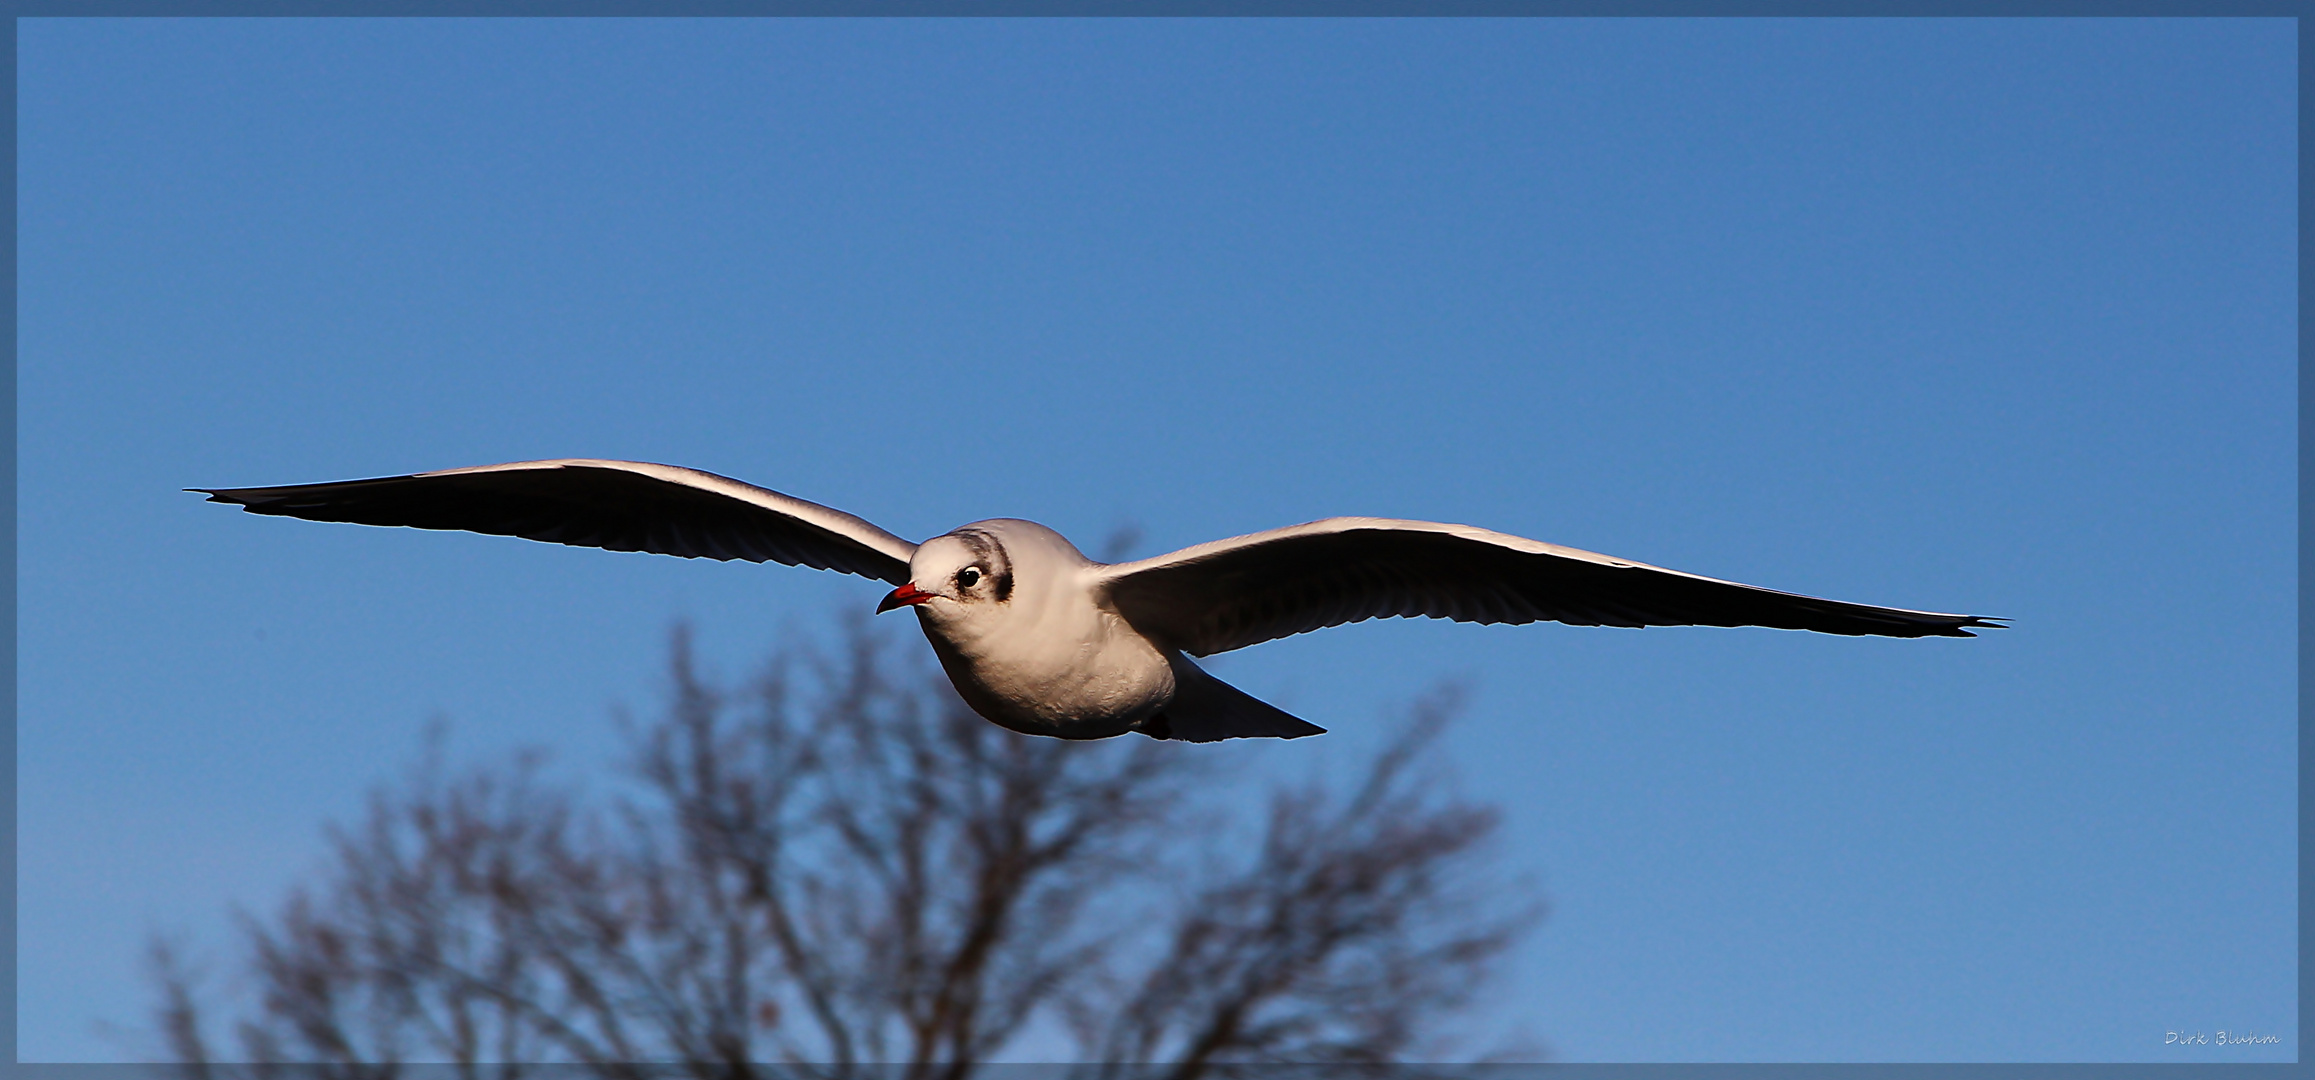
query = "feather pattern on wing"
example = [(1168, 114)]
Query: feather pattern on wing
[(1232, 593), (616, 505)]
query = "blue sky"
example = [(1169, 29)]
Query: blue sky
[(1984, 316)]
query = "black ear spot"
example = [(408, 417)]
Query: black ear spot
[(1004, 584)]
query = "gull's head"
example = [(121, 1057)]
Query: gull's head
[(965, 569), (980, 568)]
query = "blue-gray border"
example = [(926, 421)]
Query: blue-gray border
[(21, 9)]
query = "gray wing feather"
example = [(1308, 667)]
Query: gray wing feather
[(615, 505), (1237, 592)]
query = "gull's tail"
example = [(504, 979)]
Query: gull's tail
[(1206, 709)]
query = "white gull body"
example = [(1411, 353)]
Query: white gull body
[(1040, 639), (1023, 643)]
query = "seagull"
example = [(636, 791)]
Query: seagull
[(1042, 640)]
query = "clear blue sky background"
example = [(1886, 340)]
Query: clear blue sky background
[(1993, 317)]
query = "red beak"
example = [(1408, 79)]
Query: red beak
[(904, 596)]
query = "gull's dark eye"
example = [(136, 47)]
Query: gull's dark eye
[(969, 577)]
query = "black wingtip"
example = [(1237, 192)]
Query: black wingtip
[(1977, 622)]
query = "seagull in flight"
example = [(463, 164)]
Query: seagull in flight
[(1040, 639)]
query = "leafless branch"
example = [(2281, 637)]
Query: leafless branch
[(840, 866)]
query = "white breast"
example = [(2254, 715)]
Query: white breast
[(1048, 661)]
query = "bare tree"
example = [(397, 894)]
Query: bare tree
[(844, 868)]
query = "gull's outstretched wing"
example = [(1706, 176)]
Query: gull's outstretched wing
[(1233, 593), (618, 505)]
